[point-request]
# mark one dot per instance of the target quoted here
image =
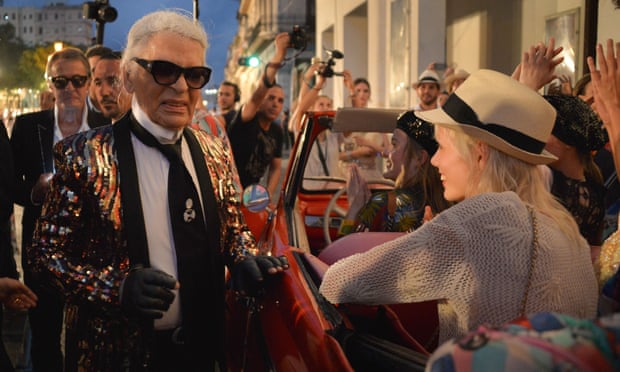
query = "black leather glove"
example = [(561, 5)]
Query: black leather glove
[(146, 293), (248, 274)]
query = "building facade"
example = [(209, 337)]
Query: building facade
[(49, 24), (390, 42), (259, 22)]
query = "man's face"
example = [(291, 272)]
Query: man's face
[(171, 106), (226, 97), (273, 103), (71, 96), (92, 61), (107, 86), (427, 93)]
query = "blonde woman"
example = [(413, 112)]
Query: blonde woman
[(507, 248)]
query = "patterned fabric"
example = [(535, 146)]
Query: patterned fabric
[(82, 241), (408, 214), (540, 342), (473, 257), (577, 124), (585, 200)]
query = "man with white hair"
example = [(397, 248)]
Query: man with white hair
[(123, 229)]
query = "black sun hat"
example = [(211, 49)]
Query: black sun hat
[(577, 124), (419, 130)]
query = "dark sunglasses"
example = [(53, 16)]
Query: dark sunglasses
[(61, 82), (167, 73)]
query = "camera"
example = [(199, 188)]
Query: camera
[(298, 38), (328, 71), (99, 10)]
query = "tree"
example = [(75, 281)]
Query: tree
[(11, 49), (32, 66)]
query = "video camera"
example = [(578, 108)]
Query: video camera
[(327, 71), (298, 39), (99, 10)]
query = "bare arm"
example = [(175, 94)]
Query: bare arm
[(251, 107), (307, 97), (606, 84)]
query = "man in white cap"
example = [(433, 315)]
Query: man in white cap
[(428, 90)]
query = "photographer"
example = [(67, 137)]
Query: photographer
[(255, 139)]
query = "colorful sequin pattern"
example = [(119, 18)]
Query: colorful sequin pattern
[(80, 240)]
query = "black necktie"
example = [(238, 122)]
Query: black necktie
[(188, 228)]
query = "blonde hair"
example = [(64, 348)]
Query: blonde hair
[(503, 172)]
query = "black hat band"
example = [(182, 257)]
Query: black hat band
[(461, 112)]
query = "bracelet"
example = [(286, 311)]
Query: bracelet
[(265, 81), (275, 65), (311, 86)]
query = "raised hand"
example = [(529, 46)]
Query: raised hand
[(537, 66)]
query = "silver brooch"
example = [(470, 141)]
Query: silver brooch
[(190, 214)]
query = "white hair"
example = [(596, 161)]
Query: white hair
[(176, 21)]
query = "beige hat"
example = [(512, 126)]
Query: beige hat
[(459, 74), (427, 76), (501, 112)]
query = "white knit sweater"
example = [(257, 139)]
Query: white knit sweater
[(474, 258)]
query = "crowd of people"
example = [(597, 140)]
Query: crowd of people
[(508, 198)]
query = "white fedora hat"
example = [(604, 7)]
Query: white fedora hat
[(501, 112), (428, 77)]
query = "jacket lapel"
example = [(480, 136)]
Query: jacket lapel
[(45, 133), (133, 217), (207, 189)]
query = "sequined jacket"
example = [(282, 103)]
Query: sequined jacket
[(91, 232)]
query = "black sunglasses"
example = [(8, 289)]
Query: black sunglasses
[(167, 73), (61, 82)]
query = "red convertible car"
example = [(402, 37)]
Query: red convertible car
[(291, 327)]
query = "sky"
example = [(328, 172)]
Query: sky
[(217, 16)]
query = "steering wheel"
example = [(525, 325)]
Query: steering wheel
[(333, 207)]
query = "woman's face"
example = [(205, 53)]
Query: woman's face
[(556, 147), (396, 162), (455, 171), (322, 104), (362, 95)]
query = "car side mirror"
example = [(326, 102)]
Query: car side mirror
[(256, 198)]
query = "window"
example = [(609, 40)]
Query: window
[(399, 54)]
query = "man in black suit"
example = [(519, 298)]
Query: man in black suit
[(123, 230), (96, 116), (32, 140)]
